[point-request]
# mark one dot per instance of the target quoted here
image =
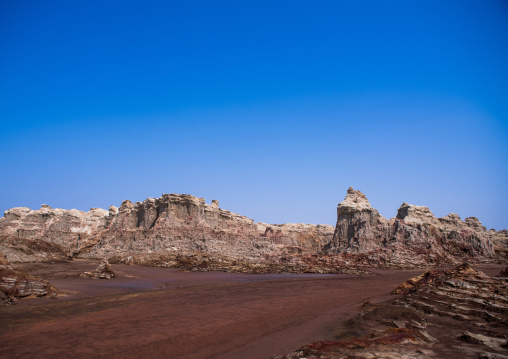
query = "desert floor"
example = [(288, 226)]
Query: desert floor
[(163, 313)]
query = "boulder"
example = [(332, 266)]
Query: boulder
[(103, 271)]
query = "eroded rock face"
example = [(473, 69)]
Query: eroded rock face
[(186, 223), (16, 284), (500, 240), (171, 223), (360, 227), (180, 223), (298, 237), (66, 231), (58, 225), (415, 234)]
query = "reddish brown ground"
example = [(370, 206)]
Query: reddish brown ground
[(162, 313)]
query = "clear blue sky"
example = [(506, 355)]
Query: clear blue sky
[(274, 108)]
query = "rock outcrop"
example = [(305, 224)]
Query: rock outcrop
[(103, 271), (456, 313), (48, 234), (171, 223), (414, 235), (16, 284), (360, 227), (57, 225), (180, 223), (500, 240), (203, 262)]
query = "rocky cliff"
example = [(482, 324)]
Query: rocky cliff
[(183, 224), (171, 223), (414, 235)]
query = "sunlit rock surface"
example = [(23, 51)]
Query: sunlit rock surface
[(103, 271), (171, 223), (181, 223), (415, 235)]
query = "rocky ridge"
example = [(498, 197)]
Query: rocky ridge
[(458, 313), (171, 223), (203, 262), (414, 236), (176, 224)]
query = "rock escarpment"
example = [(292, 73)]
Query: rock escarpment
[(48, 234), (415, 235), (176, 224), (171, 223)]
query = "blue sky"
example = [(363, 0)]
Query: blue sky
[(274, 108)]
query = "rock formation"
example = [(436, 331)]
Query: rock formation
[(179, 223), (203, 262), (16, 284), (360, 227), (171, 223), (500, 240), (103, 271), (413, 235)]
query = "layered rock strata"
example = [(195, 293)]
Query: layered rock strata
[(500, 240), (171, 223), (414, 235), (203, 262), (459, 313), (15, 283), (176, 224)]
